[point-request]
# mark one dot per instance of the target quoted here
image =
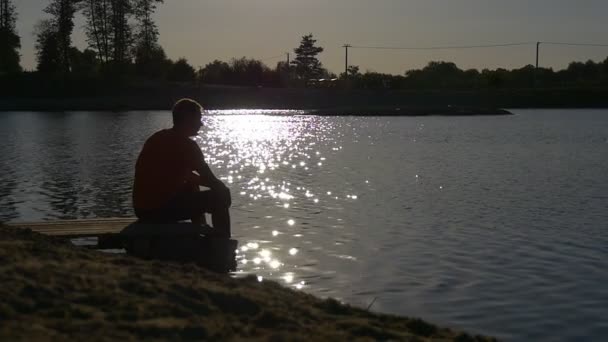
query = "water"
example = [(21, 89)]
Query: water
[(497, 225)]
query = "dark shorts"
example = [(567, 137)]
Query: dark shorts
[(185, 206)]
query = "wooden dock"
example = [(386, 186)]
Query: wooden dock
[(71, 229), (182, 242)]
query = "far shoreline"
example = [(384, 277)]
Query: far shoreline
[(53, 106), (319, 101)]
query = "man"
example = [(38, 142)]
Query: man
[(170, 169)]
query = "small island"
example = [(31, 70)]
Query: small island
[(411, 111)]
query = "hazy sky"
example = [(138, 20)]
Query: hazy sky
[(204, 30)]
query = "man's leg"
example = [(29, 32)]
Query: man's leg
[(220, 218), (193, 205), (161, 215), (199, 219)]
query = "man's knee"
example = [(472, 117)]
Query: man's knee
[(212, 200), (222, 198)]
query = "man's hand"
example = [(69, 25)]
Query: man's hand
[(192, 178)]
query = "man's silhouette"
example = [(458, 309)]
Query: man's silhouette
[(170, 169)]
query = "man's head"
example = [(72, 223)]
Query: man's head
[(187, 116)]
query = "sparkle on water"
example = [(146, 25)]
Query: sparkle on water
[(274, 163), (264, 158), (452, 220)]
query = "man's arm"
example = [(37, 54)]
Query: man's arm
[(205, 175), (207, 178)]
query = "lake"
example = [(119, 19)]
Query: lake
[(497, 224)]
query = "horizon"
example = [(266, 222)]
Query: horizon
[(253, 24)]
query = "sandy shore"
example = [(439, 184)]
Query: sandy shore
[(54, 290)]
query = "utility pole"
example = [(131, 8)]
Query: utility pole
[(288, 68), (537, 48), (536, 69), (346, 46)]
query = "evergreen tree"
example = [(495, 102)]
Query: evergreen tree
[(306, 64), (10, 42)]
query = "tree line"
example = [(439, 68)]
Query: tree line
[(123, 45), (121, 35), (10, 42), (447, 75)]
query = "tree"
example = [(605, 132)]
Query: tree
[(579, 73), (121, 11), (249, 72), (62, 19), (50, 54), (353, 72), (181, 71), (98, 28), (108, 31), (216, 72), (494, 78), (10, 42), (47, 47), (151, 63), (150, 58), (283, 73), (85, 63), (242, 72), (146, 35), (604, 72), (306, 64), (436, 75)]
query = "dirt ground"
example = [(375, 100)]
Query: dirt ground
[(52, 290)]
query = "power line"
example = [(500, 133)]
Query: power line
[(447, 47), (272, 57), (574, 44), (461, 47)]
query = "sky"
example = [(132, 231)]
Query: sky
[(205, 30)]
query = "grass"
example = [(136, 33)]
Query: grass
[(54, 290)]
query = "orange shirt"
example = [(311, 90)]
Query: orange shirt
[(162, 167)]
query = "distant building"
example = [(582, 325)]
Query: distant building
[(322, 83)]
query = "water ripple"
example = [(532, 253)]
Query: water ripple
[(496, 225)]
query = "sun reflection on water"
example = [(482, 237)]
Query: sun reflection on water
[(270, 163)]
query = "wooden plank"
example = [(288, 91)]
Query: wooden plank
[(77, 228), (89, 222), (181, 242)]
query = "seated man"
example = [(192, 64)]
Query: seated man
[(170, 169)]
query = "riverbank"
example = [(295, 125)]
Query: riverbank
[(54, 290)]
